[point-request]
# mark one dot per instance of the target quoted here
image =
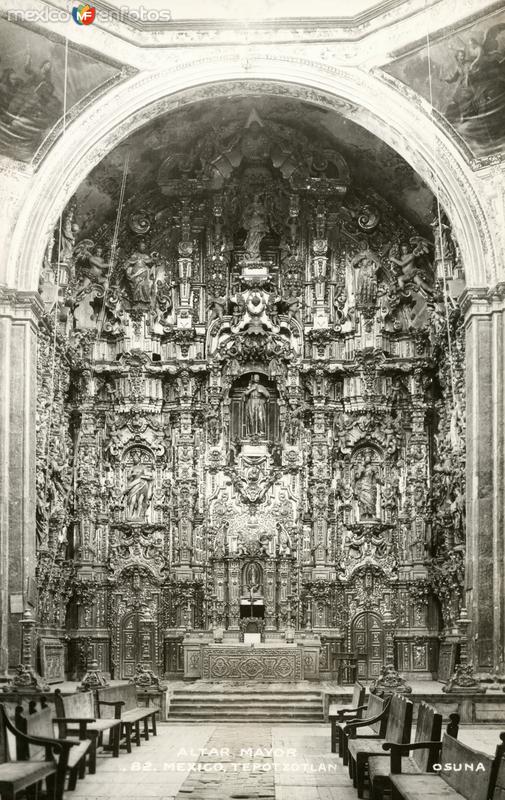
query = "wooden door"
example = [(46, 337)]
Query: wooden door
[(137, 644), (368, 645)]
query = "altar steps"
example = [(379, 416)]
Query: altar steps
[(241, 705)]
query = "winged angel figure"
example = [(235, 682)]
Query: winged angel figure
[(91, 265), (478, 78), (406, 259)]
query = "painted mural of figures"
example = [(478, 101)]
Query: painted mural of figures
[(366, 489), (138, 270), (29, 105), (256, 398), (254, 221), (368, 264), (479, 79), (139, 489)]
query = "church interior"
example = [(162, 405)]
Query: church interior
[(252, 428)]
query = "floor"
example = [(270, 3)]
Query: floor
[(228, 761)]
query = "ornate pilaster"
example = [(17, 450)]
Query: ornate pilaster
[(485, 476), (19, 315)]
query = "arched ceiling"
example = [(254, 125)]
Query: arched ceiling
[(375, 169)]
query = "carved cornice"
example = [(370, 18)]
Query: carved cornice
[(20, 305), (482, 301)]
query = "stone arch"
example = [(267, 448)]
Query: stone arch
[(364, 97)]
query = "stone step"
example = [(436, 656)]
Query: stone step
[(188, 708), (226, 698), (176, 720), (208, 703)]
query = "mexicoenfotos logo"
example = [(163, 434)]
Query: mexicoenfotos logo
[(83, 14)]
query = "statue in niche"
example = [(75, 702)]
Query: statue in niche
[(253, 578), (139, 489), (256, 398), (69, 231), (284, 540), (365, 490), (368, 264), (407, 261), (254, 221), (138, 272)]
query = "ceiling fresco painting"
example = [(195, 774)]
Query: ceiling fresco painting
[(32, 83), (467, 69)]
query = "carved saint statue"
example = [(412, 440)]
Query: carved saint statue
[(254, 220), (365, 490), (256, 399), (139, 489), (368, 264), (138, 271)]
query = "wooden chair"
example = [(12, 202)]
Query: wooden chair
[(498, 778), (371, 726), (475, 777), (76, 717), (398, 730), (339, 716), (20, 775), (428, 729), (72, 760), (121, 703)]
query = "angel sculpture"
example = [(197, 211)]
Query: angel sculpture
[(90, 263), (407, 261)]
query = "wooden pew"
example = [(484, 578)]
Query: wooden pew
[(120, 702), (371, 726), (76, 717), (428, 729), (72, 760), (17, 775), (339, 716), (475, 777), (360, 749)]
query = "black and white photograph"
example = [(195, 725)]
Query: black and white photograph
[(252, 400)]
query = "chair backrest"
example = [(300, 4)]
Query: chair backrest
[(7, 739), (466, 770), (40, 723), (399, 719), (127, 692), (428, 729), (358, 695), (499, 788), (376, 705), (79, 704)]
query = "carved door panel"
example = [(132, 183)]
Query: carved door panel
[(368, 645), (137, 644)]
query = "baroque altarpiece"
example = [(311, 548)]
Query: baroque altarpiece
[(250, 416)]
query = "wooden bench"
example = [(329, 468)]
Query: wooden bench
[(75, 715), (360, 749), (464, 774), (428, 729), (72, 760), (20, 774), (120, 702), (339, 716), (372, 725)]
